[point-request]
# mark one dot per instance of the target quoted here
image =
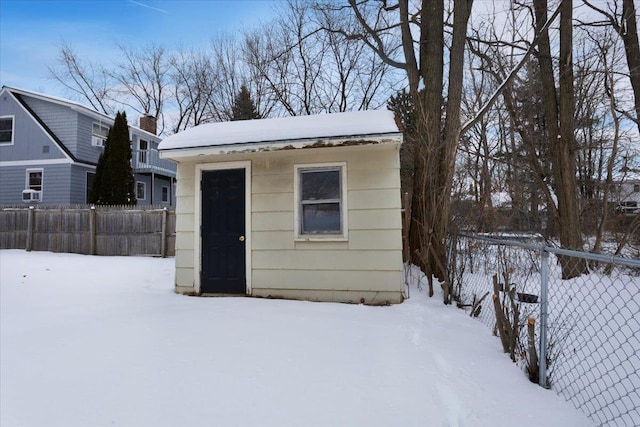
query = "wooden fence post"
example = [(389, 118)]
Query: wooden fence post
[(30, 227), (163, 251), (92, 230)]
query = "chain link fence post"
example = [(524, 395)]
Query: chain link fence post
[(544, 286)]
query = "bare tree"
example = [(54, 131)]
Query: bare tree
[(389, 30), (193, 84), (624, 20), (558, 109), (304, 69), (85, 80), (141, 79)]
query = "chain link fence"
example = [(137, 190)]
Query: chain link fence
[(570, 319)]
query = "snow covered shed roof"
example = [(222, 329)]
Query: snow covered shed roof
[(284, 132)]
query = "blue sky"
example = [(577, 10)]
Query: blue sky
[(31, 31)]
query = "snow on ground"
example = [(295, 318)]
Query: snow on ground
[(94, 341)]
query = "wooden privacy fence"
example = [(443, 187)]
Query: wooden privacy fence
[(99, 230)]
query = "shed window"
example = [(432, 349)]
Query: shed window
[(6, 130), (320, 205)]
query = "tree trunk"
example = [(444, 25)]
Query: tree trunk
[(559, 120), (629, 36), (564, 152)]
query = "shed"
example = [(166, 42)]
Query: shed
[(303, 207)]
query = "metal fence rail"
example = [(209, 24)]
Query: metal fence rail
[(92, 230), (583, 310)]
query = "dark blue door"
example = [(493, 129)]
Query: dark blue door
[(223, 232)]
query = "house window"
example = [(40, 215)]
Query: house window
[(99, 135), (636, 188), (6, 130), (143, 146), (34, 179), (33, 186), (141, 190), (320, 200), (165, 194)]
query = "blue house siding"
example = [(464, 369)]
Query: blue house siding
[(30, 141), (55, 136), (79, 190), (12, 182), (85, 150), (55, 179), (62, 120)]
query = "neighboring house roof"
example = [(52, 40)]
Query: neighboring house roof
[(70, 104), (630, 175), (285, 132), (44, 126)]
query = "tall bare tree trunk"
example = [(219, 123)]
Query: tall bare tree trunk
[(558, 109), (437, 145), (428, 104), (629, 36)]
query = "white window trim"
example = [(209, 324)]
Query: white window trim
[(197, 217), (95, 137), (26, 184), (144, 187), (13, 130), (298, 235)]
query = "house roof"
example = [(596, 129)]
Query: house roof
[(276, 131), (71, 104)]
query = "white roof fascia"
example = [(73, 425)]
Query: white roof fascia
[(256, 147)]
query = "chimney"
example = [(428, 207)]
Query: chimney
[(149, 124)]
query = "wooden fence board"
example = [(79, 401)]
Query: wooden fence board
[(84, 229)]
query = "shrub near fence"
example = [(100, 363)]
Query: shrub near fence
[(587, 328), (99, 230)]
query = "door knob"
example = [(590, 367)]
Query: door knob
[(241, 238)]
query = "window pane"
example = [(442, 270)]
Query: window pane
[(320, 185), (35, 181), (99, 130), (321, 218), (140, 190), (6, 126)]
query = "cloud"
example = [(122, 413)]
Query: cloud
[(137, 3)]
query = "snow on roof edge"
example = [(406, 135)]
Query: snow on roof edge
[(282, 129)]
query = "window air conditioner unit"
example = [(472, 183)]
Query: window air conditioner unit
[(29, 196)]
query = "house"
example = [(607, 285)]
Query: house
[(299, 207), (624, 193), (49, 149)]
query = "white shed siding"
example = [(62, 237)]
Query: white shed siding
[(367, 266), (185, 236)]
